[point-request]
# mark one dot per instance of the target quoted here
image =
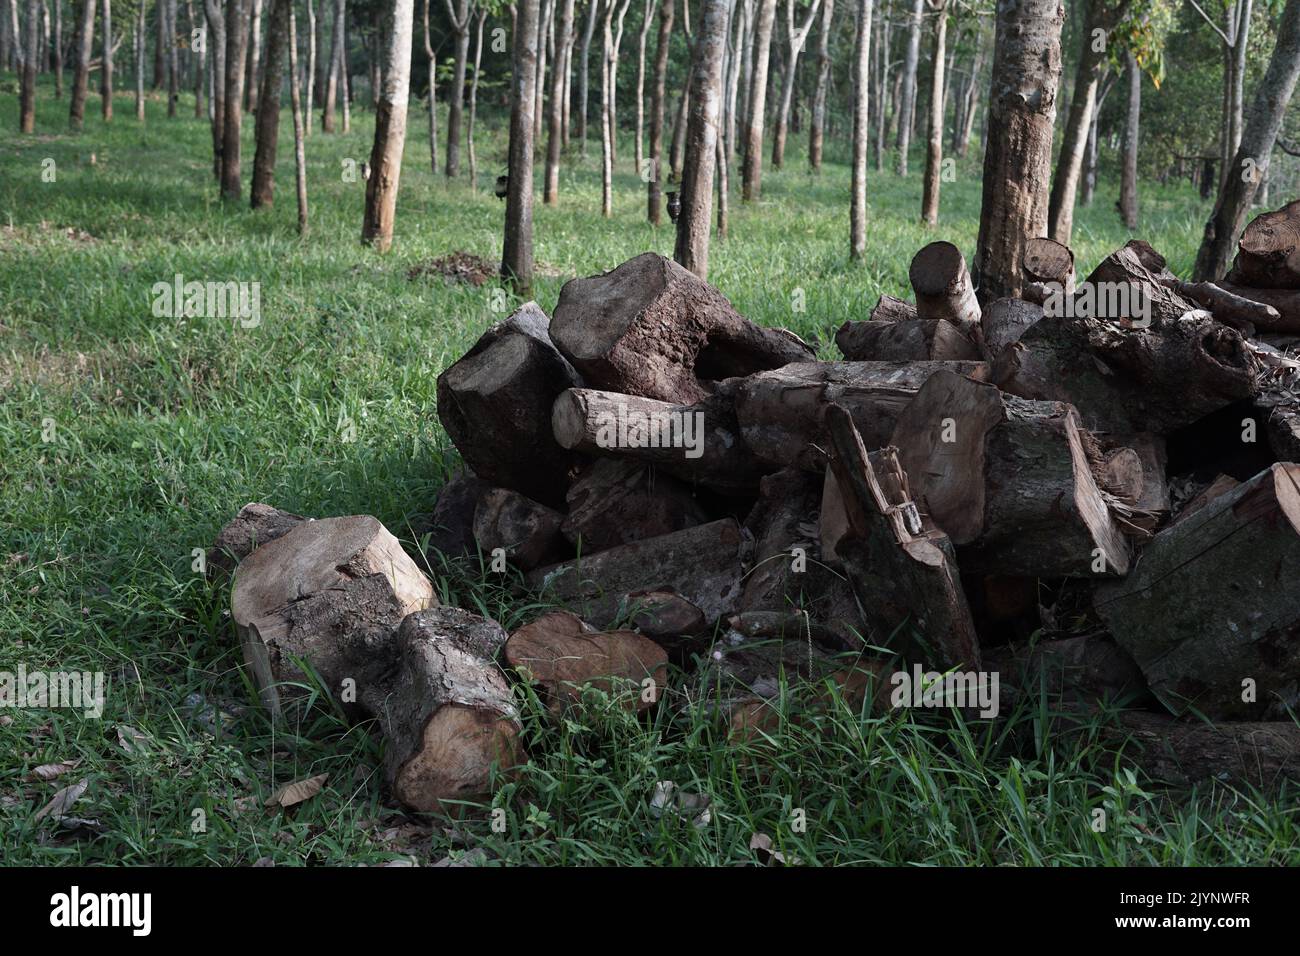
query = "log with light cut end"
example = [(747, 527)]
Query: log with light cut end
[(329, 592), (562, 654), (1120, 473), (700, 443), (781, 412), (908, 340), (943, 286), (255, 525), (653, 329), (1268, 253), (1010, 481), (1210, 613), (528, 533), (448, 716), (1004, 321), (703, 564), (495, 404), (1047, 265), (1151, 506), (1261, 754), (617, 502), (890, 309), (901, 567)]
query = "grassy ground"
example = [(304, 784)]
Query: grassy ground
[(127, 440)]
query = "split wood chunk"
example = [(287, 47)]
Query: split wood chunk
[(738, 667), (449, 716), (1047, 265), (902, 568), (943, 286), (1009, 480), (1077, 674), (618, 502), (1210, 613), (1285, 302), (1182, 752), (563, 655), (833, 521), (329, 592), (451, 525), (781, 412), (889, 309), (1268, 253), (1220, 486), (1119, 472), (909, 340), (652, 328), (495, 404), (784, 525), (666, 618), (528, 533), (703, 564), (1144, 271), (255, 525), (1005, 321), (1232, 308), (700, 443), (1151, 506)]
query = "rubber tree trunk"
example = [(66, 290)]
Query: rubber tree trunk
[(658, 95), (692, 249), (1018, 144), (751, 173), (647, 19), (517, 248), (817, 128), (81, 74), (197, 64), (907, 100), (138, 48), (267, 128), (432, 56), (555, 133), (217, 38), (584, 72), (606, 98), (299, 114), (27, 107), (970, 104), (390, 126), (252, 68), (56, 54), (861, 121), (459, 16), (236, 51), (309, 74), (1251, 160), (473, 101), (335, 67), (934, 144), (106, 69), (796, 38), (173, 64), (1069, 165), (1128, 187)]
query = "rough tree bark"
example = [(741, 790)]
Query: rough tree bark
[(692, 249), (295, 96), (934, 145), (796, 37), (1018, 151), (81, 74), (517, 249), (861, 110), (752, 169), (236, 49), (555, 134), (458, 15), (907, 95), (817, 126), (1128, 195), (267, 128), (390, 127), (658, 96)]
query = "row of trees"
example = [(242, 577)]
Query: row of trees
[(733, 90)]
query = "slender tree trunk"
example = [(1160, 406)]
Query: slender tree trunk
[(692, 249), (606, 134), (934, 145), (565, 117), (817, 127), (345, 82), (267, 128), (677, 149), (27, 107), (555, 135), (335, 67), (173, 61), (138, 48), (106, 70), (81, 75), (752, 171), (1128, 197), (57, 53), (796, 38), (517, 249), (584, 73), (861, 121), (197, 63), (545, 44), (646, 19), (880, 56), (658, 95), (254, 64), (217, 38), (1018, 145), (970, 105), (615, 46), (309, 75), (907, 101), (740, 17), (236, 51), (1251, 160), (473, 100), (432, 56), (299, 134), (390, 126), (459, 17)]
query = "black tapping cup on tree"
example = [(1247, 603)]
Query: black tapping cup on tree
[(674, 206), (502, 186)]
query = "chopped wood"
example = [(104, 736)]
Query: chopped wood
[(1078, 674), (451, 525), (255, 525), (908, 340), (889, 309), (1047, 263), (527, 532), (1009, 480), (1232, 308), (617, 502), (833, 521), (943, 286), (1210, 611), (1285, 302), (666, 618), (1220, 486), (1005, 321), (781, 412), (563, 655), (653, 329), (1182, 752), (495, 404), (1268, 253), (784, 519)]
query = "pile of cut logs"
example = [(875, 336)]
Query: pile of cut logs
[(1096, 502)]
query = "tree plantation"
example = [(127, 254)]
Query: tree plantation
[(620, 432)]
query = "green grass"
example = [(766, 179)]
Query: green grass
[(160, 429)]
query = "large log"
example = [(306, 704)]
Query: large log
[(1268, 253), (909, 340), (448, 715), (618, 502), (1210, 612), (703, 564), (330, 592), (451, 525), (1005, 320), (781, 411), (255, 525), (1079, 674), (901, 567), (943, 286), (495, 404), (528, 533), (1285, 302), (1184, 752), (1009, 480), (783, 519), (652, 328), (562, 654), (700, 443), (890, 309)]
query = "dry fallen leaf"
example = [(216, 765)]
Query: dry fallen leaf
[(5, 720), (131, 740), (48, 771), (761, 844), (294, 793), (63, 800)]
